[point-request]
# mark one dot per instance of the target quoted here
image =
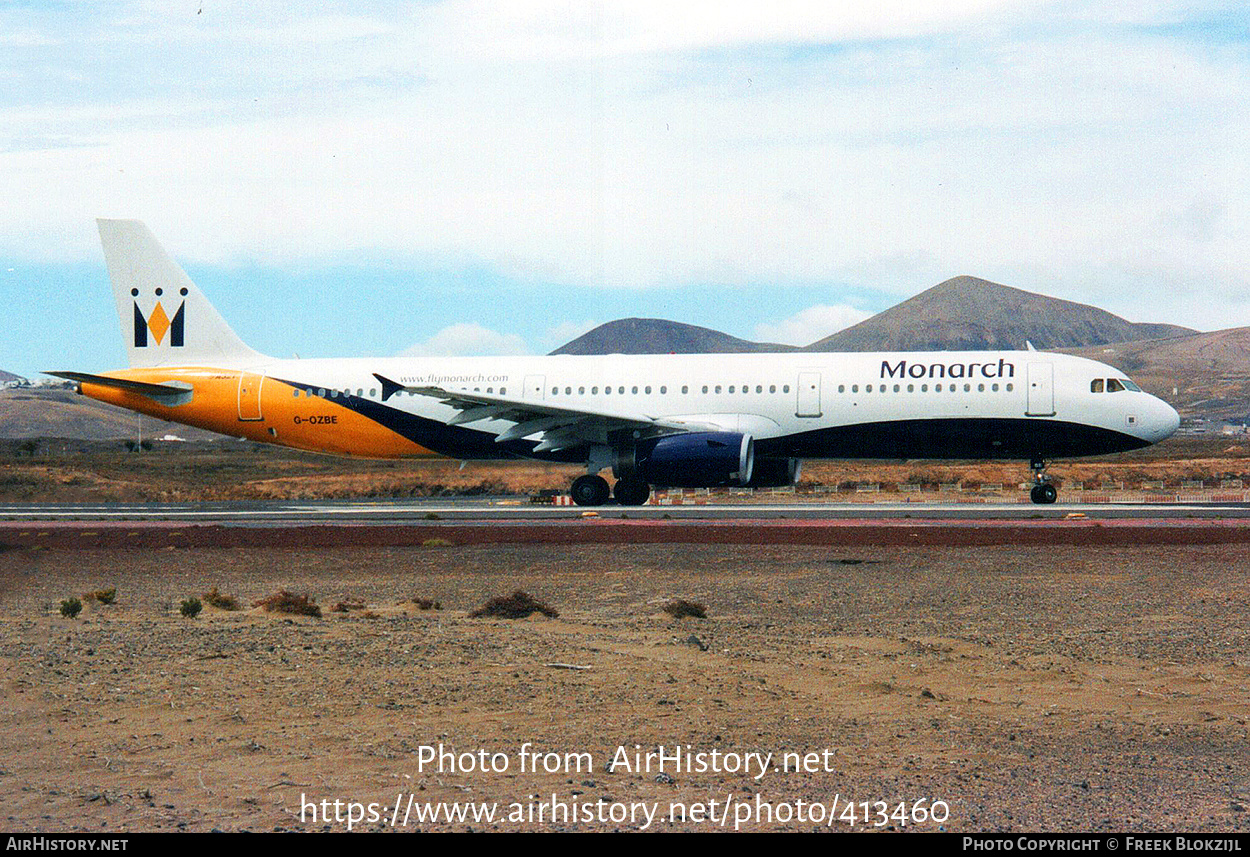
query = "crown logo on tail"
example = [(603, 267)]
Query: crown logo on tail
[(158, 324)]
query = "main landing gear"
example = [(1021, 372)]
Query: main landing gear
[(592, 490), (1042, 492)]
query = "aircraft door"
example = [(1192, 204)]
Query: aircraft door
[(535, 386), (1041, 390), (249, 396), (808, 392)]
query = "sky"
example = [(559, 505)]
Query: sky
[(492, 177)]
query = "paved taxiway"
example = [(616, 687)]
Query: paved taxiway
[(520, 509)]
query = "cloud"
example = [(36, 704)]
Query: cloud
[(809, 325), (468, 339), (1066, 148), (566, 331)]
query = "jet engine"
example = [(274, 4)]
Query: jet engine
[(695, 460), (775, 472)]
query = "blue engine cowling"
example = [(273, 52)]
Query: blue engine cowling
[(696, 460), (775, 472)]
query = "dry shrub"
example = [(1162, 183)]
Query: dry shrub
[(71, 607), (190, 607), (427, 604), (349, 604), (284, 601), (104, 596), (436, 543), (680, 607), (518, 605), (220, 600)]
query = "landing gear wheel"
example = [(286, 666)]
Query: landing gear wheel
[(631, 492), (1043, 492), (589, 490)]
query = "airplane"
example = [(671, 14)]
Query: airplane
[(672, 420)]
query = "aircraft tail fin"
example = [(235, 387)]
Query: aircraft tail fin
[(165, 318)]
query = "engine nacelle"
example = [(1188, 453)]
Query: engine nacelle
[(696, 460), (775, 472)]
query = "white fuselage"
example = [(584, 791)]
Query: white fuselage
[(802, 404)]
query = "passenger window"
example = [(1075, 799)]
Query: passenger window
[(581, 391), (663, 390), (296, 393), (855, 388), (937, 388), (1095, 386), (646, 390), (705, 388), (759, 388), (994, 388), (555, 391), (786, 388), (685, 388), (868, 388), (772, 388), (731, 388), (607, 391), (634, 390), (911, 388), (1010, 387), (568, 391), (841, 388), (1114, 386), (924, 388), (718, 388), (967, 388), (594, 391), (373, 394), (896, 388), (980, 388)]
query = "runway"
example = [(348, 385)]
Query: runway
[(460, 522)]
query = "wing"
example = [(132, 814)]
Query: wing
[(561, 426)]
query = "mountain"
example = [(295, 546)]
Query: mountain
[(9, 377), (1209, 371), (967, 313), (657, 336), (60, 412)]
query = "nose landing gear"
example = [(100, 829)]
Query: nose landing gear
[(1042, 492)]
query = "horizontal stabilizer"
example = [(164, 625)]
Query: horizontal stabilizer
[(173, 393)]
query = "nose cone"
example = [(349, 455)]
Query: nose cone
[(1162, 421)]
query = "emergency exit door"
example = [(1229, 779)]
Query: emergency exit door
[(808, 395), (249, 396), (1041, 390)]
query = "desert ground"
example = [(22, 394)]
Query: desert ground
[(65, 471), (1060, 688)]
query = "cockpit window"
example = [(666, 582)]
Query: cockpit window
[(1114, 385), (1095, 386), (1130, 385)]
